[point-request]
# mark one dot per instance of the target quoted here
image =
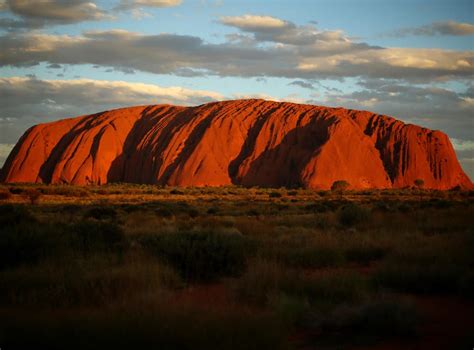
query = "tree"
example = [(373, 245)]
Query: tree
[(419, 183), (340, 185)]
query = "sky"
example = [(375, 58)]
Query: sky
[(411, 59)]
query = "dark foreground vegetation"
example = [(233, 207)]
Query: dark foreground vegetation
[(128, 266)]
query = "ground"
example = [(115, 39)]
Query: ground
[(135, 266)]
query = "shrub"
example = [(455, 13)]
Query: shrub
[(176, 192), (328, 289), (253, 212), (193, 212), (312, 257), (158, 326), (101, 213), (5, 194), (340, 185), (95, 281), (372, 321), (15, 214), (436, 278), (33, 195), (212, 210), (17, 190), (364, 254), (164, 212), (89, 237), (352, 214), (200, 256), (419, 183), (27, 243), (275, 195), (405, 208)]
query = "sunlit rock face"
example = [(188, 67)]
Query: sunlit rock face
[(243, 142)]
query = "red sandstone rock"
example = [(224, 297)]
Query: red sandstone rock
[(247, 142)]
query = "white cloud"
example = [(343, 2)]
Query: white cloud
[(295, 54), (5, 149), (39, 13), (253, 22), (462, 145), (133, 4), (26, 101)]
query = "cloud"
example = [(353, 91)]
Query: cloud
[(39, 13), (437, 29), (323, 55), (134, 4), (254, 23), (26, 102), (463, 145), (302, 84), (430, 106), (5, 149)]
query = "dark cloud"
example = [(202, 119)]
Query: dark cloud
[(27, 101), (40, 13), (438, 28), (302, 84), (187, 55), (432, 107)]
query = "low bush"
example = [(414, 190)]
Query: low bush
[(33, 195), (27, 243), (101, 213), (5, 194), (200, 256), (437, 278), (161, 325), (266, 280), (368, 323), (94, 281), (89, 237), (352, 214), (366, 253), (11, 214), (312, 257)]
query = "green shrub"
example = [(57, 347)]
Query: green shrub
[(365, 253), (5, 194), (27, 243), (436, 278), (328, 289), (101, 213), (340, 185), (405, 208), (275, 195), (33, 195), (176, 192), (212, 210), (94, 281), (312, 257), (11, 214), (371, 322), (200, 256), (352, 214), (89, 237)]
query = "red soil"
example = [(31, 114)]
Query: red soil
[(245, 142)]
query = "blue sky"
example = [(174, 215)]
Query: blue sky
[(412, 59)]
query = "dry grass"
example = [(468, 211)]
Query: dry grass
[(86, 258)]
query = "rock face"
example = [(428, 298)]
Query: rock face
[(245, 142)]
